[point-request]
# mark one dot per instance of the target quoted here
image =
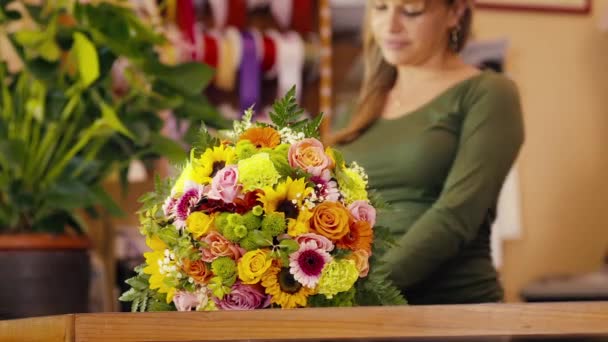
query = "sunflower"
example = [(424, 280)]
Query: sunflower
[(262, 137), (284, 289), (210, 162), (287, 198)]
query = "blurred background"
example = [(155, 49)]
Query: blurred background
[(550, 241)]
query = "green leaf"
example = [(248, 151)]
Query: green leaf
[(138, 283), (69, 195), (187, 78), (88, 61), (261, 239), (289, 245), (203, 141), (111, 119), (285, 111), (169, 235), (102, 197), (49, 50), (168, 148), (12, 154), (30, 38)]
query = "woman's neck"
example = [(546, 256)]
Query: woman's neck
[(431, 69)]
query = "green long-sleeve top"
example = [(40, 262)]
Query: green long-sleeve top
[(441, 168)]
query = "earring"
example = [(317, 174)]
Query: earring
[(455, 38)]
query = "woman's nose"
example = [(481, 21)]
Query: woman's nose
[(394, 16)]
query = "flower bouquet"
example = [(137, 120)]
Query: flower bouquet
[(262, 216)]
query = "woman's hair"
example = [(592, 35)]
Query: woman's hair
[(379, 77)]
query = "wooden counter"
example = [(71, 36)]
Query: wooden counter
[(484, 322)]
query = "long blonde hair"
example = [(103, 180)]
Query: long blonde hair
[(379, 77)]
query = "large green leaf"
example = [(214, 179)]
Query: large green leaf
[(187, 78), (107, 201), (87, 59), (168, 148), (13, 154), (111, 119), (70, 195)]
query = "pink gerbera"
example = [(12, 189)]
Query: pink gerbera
[(193, 193), (307, 263), (327, 188)]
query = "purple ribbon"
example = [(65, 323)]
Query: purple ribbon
[(250, 77)]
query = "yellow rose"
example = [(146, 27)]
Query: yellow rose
[(199, 223), (330, 219), (253, 265)]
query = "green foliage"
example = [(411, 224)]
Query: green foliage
[(68, 123), (286, 113), (140, 295), (377, 288)]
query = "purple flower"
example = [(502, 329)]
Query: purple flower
[(224, 185), (326, 189), (193, 193), (243, 297)]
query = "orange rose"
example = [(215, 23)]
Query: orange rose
[(330, 219), (262, 137), (359, 237), (197, 270)]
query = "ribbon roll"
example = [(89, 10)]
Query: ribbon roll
[(282, 11), (230, 58), (290, 63), (250, 74)]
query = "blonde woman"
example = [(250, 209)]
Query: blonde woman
[(437, 138)]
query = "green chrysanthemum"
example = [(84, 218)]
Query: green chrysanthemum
[(224, 267), (251, 221), (257, 172), (352, 185), (245, 149), (338, 276), (274, 223)]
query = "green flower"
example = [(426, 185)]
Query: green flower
[(245, 149), (235, 233), (257, 210), (257, 172), (274, 223), (338, 276), (352, 185), (223, 267), (221, 221), (251, 220)]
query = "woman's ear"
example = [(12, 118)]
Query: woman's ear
[(457, 10)]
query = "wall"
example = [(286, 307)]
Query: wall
[(560, 63)]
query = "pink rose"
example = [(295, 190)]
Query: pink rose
[(321, 241), (218, 246), (243, 297), (363, 211), (308, 154), (185, 301), (224, 185)]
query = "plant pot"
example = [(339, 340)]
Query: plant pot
[(43, 275)]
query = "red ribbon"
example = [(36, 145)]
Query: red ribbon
[(270, 54), (210, 56), (302, 18), (237, 13)]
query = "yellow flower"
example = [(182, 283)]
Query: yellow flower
[(253, 265), (157, 279), (210, 162), (199, 223), (155, 243), (284, 289), (301, 225), (186, 175), (282, 198)]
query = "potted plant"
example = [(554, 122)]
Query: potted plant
[(65, 127)]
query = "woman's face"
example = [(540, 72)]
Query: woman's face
[(410, 32)]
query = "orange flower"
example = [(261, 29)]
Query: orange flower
[(262, 137), (359, 237), (330, 219), (361, 259), (197, 270)]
